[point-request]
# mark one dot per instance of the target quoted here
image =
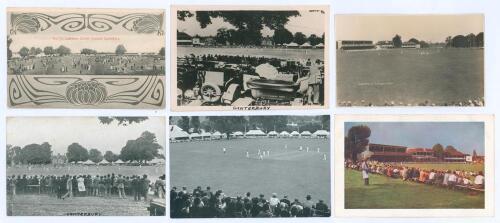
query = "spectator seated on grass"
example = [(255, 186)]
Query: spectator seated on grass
[(451, 179)]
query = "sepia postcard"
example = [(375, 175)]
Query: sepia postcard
[(410, 60), (250, 166), (85, 166), (414, 165), (249, 57), (85, 58)]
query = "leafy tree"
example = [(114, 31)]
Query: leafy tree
[(48, 50), (438, 151), (162, 52), (413, 40), (480, 39), (471, 40), (299, 38), (120, 49), (111, 157), (38, 50), (248, 23), (228, 124), (356, 141), (63, 50), (36, 154), (121, 120), (459, 41), (32, 51), (95, 155), (314, 40), (195, 123), (250, 19), (396, 40), (77, 153), (24, 51), (282, 36), (142, 149), (183, 123), (222, 37)]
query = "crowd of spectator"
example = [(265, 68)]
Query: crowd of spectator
[(453, 179), (67, 186), (207, 204), (87, 64)]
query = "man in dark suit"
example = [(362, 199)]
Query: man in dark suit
[(145, 186)]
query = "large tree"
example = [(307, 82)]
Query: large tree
[(48, 50), (36, 153), (248, 23), (95, 155), (282, 36), (480, 39), (63, 50), (356, 141), (314, 40), (438, 151), (142, 149), (396, 40), (299, 38), (183, 123), (120, 49), (195, 123), (24, 51), (77, 153), (111, 157)]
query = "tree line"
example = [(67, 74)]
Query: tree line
[(458, 41), (230, 124), (63, 50), (249, 24), (467, 41), (281, 36), (143, 149)]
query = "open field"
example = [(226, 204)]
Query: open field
[(285, 172), (389, 193), (448, 166), (43, 205), (281, 53), (410, 76), (153, 172)]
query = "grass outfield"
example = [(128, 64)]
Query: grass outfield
[(388, 193), (24, 205), (417, 75), (286, 171), (448, 166)]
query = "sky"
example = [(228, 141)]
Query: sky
[(60, 132), (307, 23), (430, 28), (464, 136), (101, 41)]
